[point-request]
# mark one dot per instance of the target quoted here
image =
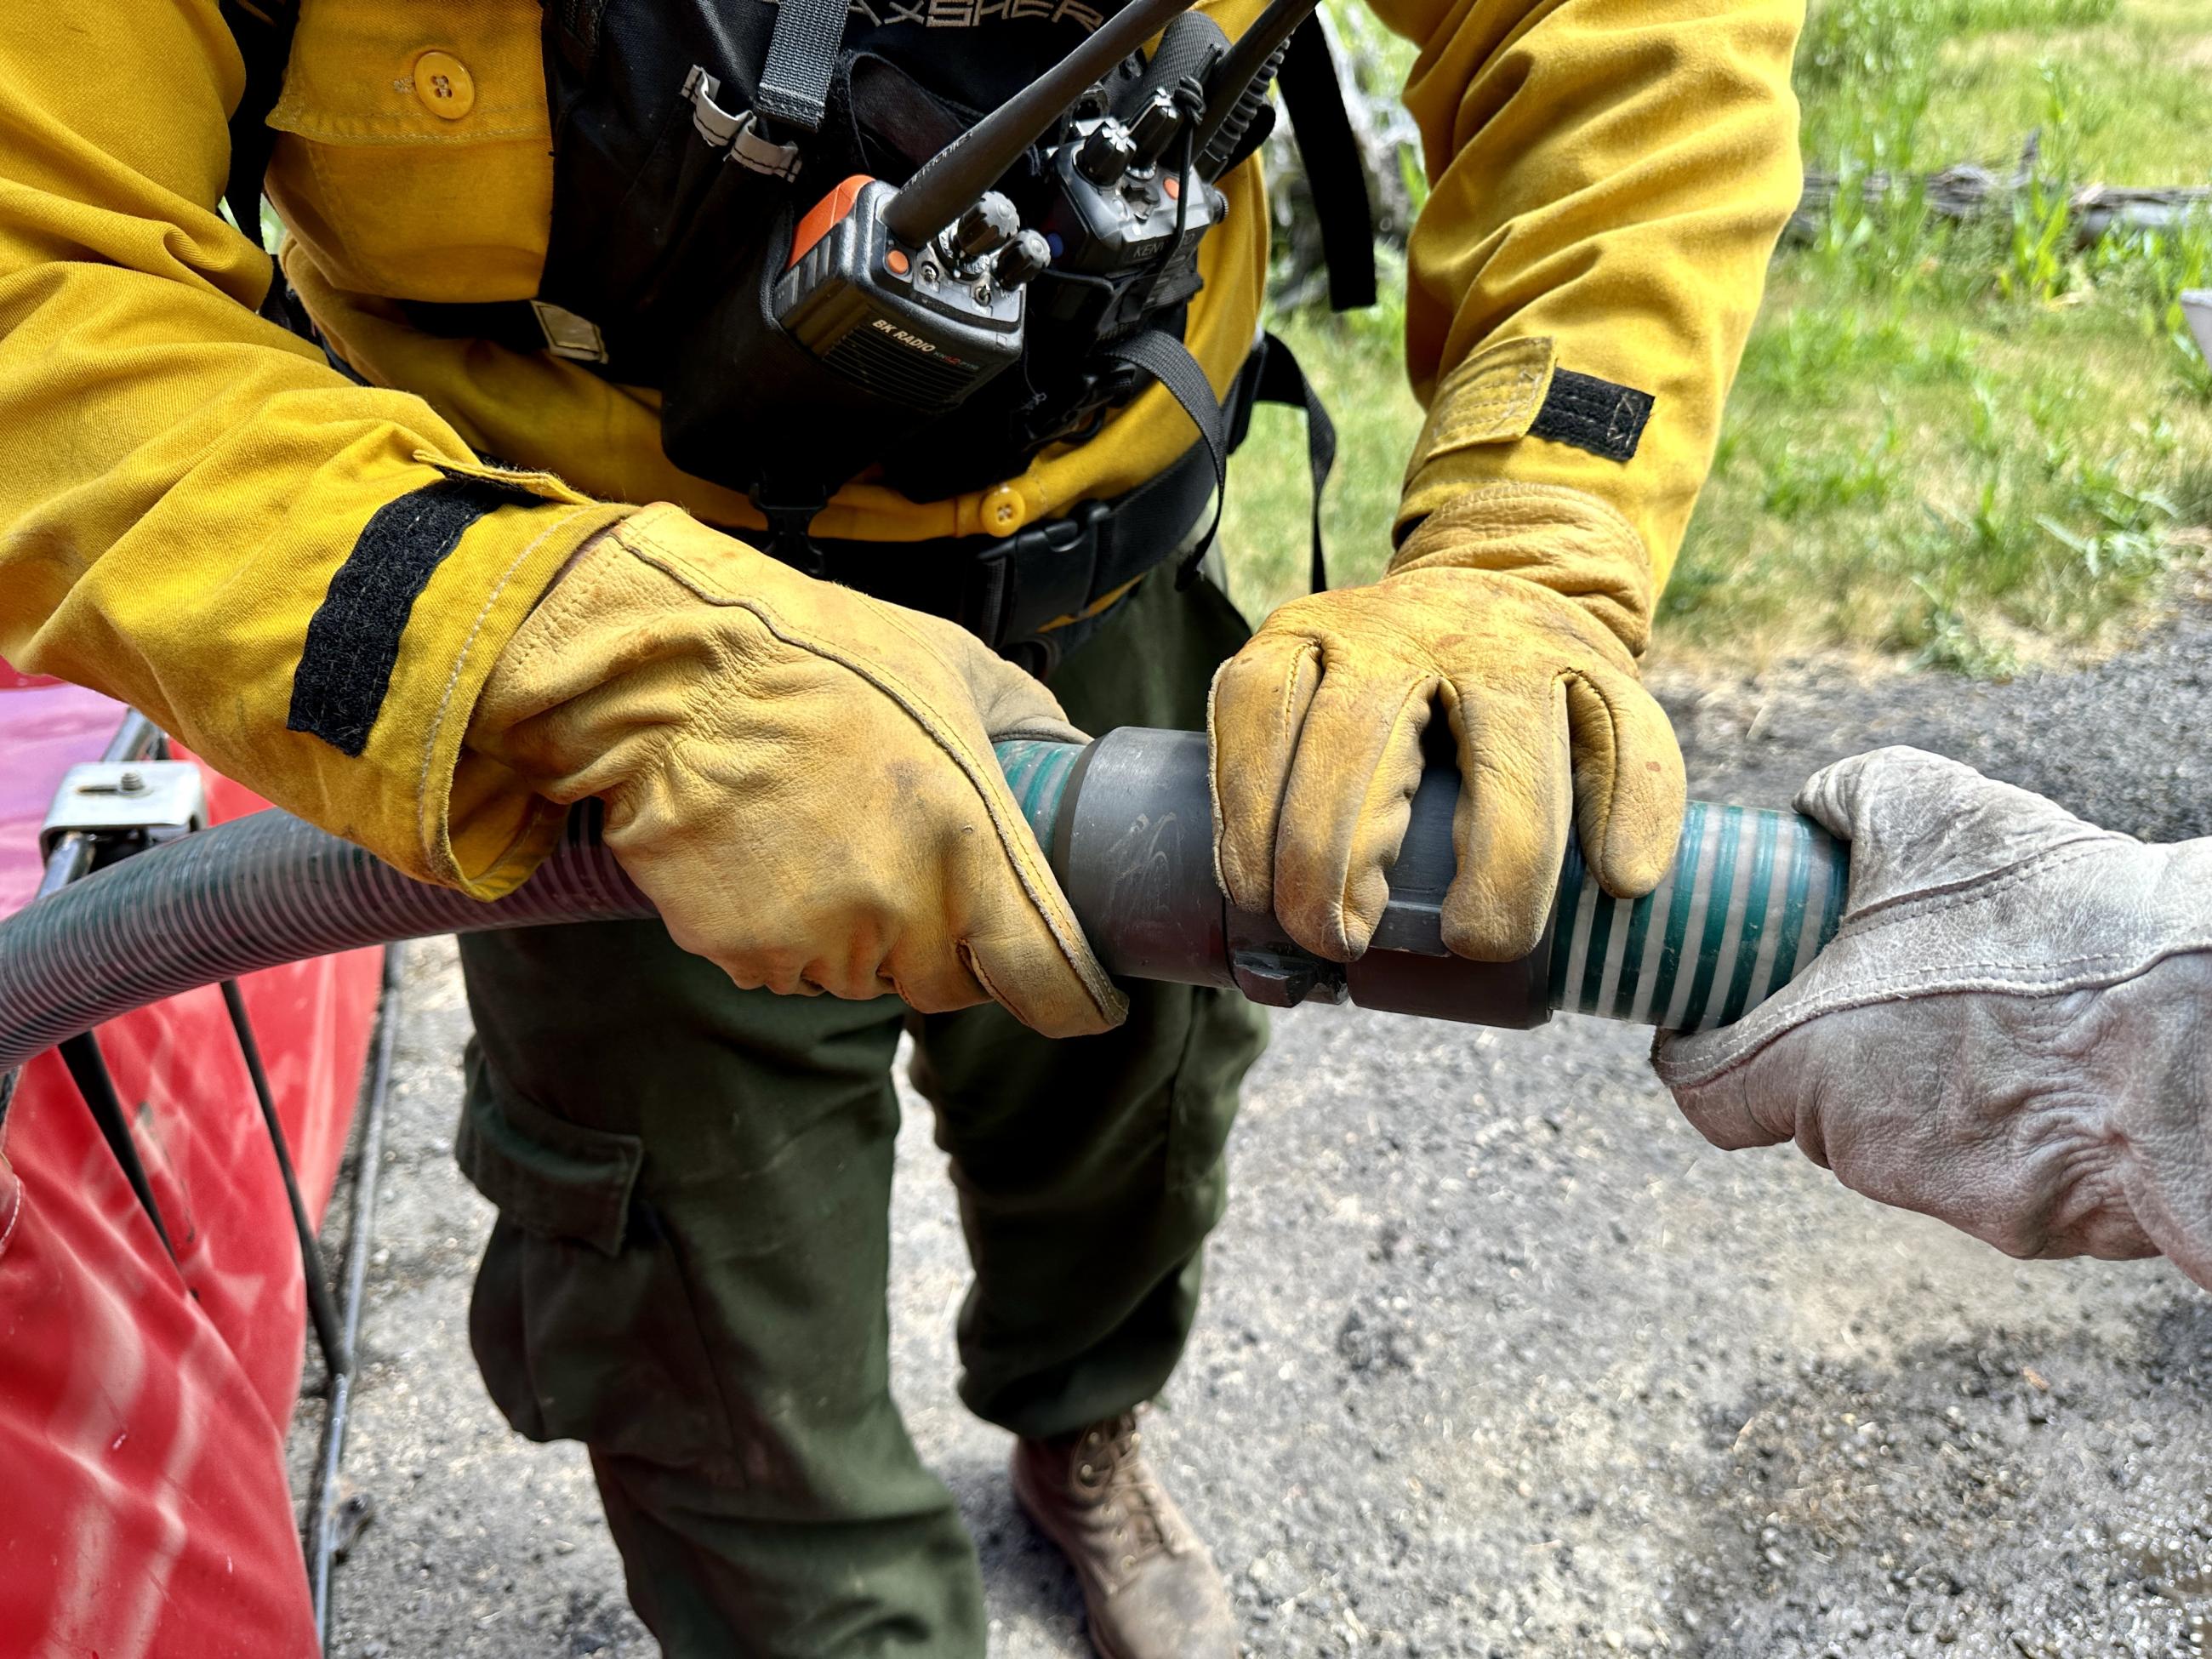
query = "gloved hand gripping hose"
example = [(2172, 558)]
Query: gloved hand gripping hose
[(1126, 822)]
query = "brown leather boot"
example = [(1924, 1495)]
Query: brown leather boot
[(1151, 1590)]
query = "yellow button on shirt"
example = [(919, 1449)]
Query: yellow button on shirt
[(1004, 509), (443, 85)]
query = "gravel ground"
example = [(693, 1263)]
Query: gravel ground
[(1498, 1357)]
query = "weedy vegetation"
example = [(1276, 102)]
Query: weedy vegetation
[(1972, 442)]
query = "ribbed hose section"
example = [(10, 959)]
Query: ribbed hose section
[(1038, 771), (1752, 895), (267, 890), (254, 893)]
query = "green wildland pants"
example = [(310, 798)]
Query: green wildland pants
[(688, 1272)]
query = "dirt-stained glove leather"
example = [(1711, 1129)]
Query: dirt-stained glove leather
[(1520, 610), (799, 776), (2011, 1032)]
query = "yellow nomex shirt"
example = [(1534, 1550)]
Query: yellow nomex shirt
[(308, 580)]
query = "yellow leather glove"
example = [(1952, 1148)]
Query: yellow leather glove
[(800, 777), (1519, 610)]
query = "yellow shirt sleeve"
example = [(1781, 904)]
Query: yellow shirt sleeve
[(1608, 180), (304, 579)]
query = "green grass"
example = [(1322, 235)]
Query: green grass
[(2144, 70), (1971, 446), (2008, 484)]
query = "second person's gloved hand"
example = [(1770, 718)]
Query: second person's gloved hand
[(1520, 610), (2012, 1031), (799, 776)]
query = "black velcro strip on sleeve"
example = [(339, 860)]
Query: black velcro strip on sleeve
[(1592, 414), (353, 638)]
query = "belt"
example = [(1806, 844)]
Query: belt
[(1010, 591)]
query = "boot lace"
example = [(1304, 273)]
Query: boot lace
[(1109, 1461)]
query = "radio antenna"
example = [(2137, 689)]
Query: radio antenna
[(950, 180), (1246, 62)]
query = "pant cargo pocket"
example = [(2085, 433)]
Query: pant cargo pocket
[(583, 1321)]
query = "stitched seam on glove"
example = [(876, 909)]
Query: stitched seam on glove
[(1015, 839), (1422, 690), (1861, 993), (431, 824), (1909, 906), (1307, 658), (1593, 851), (1214, 782), (1459, 535)]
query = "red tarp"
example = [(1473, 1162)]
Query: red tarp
[(143, 1509)]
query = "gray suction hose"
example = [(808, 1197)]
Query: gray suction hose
[(1126, 822), (255, 893)]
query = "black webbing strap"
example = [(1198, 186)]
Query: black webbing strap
[(802, 55), (1281, 380), (1168, 361), (1008, 589), (1277, 378), (1335, 172)]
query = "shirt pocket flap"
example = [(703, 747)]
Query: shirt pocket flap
[(368, 73)]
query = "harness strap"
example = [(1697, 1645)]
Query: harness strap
[(1013, 590), (1335, 170), (1274, 377), (1168, 361), (802, 56), (1282, 380)]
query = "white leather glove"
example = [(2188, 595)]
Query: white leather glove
[(2011, 1032)]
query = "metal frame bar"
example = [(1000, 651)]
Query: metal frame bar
[(320, 1309), (135, 739), (322, 1541), (87, 1069)]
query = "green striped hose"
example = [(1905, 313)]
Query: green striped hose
[(1037, 772), (1752, 896)]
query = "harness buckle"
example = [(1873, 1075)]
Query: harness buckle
[(568, 334), (1045, 571), (738, 131), (790, 539)]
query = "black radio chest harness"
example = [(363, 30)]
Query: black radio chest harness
[(726, 228)]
